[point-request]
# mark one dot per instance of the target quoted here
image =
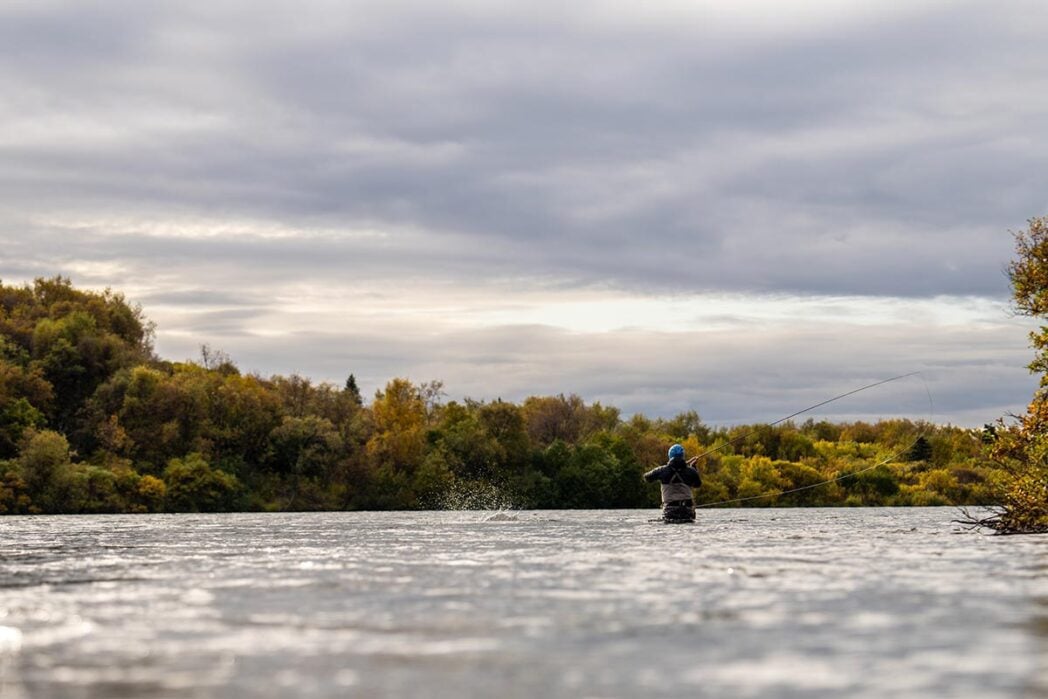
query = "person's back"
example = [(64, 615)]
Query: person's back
[(677, 478)]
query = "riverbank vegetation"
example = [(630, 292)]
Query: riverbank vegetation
[(1020, 446), (91, 421)]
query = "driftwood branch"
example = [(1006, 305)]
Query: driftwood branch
[(998, 521)]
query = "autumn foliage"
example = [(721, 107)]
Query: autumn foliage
[(1020, 447)]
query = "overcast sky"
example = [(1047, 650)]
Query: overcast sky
[(737, 207)]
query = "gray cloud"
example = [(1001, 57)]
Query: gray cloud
[(526, 131), (216, 156)]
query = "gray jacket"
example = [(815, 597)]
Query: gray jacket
[(677, 478)]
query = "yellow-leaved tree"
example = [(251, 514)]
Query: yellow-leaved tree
[(400, 426)]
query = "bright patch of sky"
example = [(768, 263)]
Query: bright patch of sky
[(609, 311)]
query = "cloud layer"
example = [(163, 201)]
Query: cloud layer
[(439, 191)]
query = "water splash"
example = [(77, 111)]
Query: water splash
[(502, 516), (476, 495)]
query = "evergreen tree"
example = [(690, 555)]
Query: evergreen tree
[(920, 451), (352, 389)]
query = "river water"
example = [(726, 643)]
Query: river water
[(745, 603)]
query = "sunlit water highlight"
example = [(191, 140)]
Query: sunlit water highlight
[(747, 603)]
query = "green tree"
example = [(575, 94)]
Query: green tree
[(585, 481), (465, 445), (93, 490), (503, 424), (627, 488), (353, 390), (44, 465), (193, 486), (684, 425), (307, 451), (77, 339), (920, 451), (871, 487), (17, 416), (434, 482), (385, 488)]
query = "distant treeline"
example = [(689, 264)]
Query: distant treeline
[(92, 421)]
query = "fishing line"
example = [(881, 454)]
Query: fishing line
[(891, 457)]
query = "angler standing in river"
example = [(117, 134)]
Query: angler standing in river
[(677, 477)]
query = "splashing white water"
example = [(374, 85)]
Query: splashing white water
[(476, 495)]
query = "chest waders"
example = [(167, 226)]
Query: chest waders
[(677, 505)]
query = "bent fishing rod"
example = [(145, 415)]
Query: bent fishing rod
[(746, 434)]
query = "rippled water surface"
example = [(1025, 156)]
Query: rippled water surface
[(746, 603)]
